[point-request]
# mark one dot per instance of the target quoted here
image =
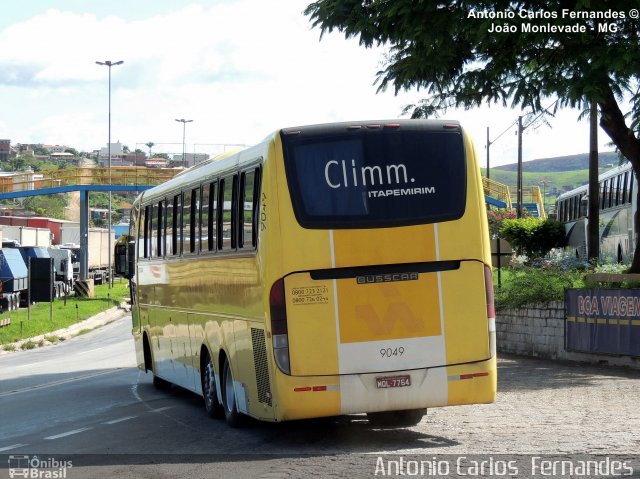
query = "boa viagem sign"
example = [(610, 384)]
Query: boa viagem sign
[(605, 321)]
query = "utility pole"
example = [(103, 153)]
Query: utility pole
[(519, 185), (593, 219), (488, 146), (109, 63)]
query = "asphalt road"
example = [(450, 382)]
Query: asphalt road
[(84, 401)]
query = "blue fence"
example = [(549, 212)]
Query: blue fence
[(603, 321)]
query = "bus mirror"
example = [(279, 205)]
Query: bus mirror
[(131, 259)]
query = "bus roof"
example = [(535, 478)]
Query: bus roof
[(603, 176)]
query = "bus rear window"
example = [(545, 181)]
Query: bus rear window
[(366, 179)]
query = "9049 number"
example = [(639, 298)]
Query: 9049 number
[(391, 352)]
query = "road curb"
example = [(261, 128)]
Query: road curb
[(94, 322)]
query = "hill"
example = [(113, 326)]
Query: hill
[(606, 160), (553, 175)]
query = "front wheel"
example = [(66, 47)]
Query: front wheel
[(231, 414), (211, 403), (389, 419)]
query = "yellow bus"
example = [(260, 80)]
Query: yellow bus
[(331, 269)]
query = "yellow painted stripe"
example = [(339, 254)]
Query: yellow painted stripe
[(615, 322)]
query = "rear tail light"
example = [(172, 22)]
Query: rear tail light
[(488, 284), (279, 330)]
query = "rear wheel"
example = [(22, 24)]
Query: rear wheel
[(233, 417), (388, 419), (211, 402)]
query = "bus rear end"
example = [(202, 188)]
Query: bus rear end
[(382, 300)]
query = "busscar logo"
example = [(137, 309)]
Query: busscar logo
[(387, 278)]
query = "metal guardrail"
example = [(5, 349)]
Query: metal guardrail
[(501, 192), (532, 194), (497, 190), (122, 175)]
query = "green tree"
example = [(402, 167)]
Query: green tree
[(533, 237), (449, 50), (51, 206)]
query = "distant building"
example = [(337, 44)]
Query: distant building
[(118, 156), (54, 148), (5, 150), (157, 162), (190, 159)]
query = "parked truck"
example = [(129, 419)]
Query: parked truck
[(14, 277), (63, 264), (98, 251), (27, 236)]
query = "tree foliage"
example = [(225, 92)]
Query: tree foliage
[(533, 237), (449, 50)]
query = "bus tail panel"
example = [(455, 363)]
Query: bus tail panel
[(356, 321)]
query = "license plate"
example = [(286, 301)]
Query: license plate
[(393, 381)]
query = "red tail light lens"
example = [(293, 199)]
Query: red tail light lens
[(279, 330), (278, 307), (488, 284)]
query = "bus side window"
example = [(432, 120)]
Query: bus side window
[(611, 188), (227, 218), (141, 229), (256, 207), (161, 226), (248, 209), (220, 214), (177, 224), (207, 217), (571, 208), (235, 195), (153, 232), (187, 244), (169, 228), (193, 223), (147, 230)]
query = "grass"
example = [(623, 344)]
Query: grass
[(76, 309), (526, 285)]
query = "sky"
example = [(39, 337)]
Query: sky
[(240, 69)]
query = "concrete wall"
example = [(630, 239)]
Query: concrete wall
[(538, 331)]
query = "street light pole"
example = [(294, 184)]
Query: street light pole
[(184, 130), (109, 64)]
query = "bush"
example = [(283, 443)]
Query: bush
[(496, 218), (533, 237), (533, 285)]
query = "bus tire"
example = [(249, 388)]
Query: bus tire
[(209, 393), (231, 414), (392, 419)]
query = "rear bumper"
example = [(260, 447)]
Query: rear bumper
[(318, 396)]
